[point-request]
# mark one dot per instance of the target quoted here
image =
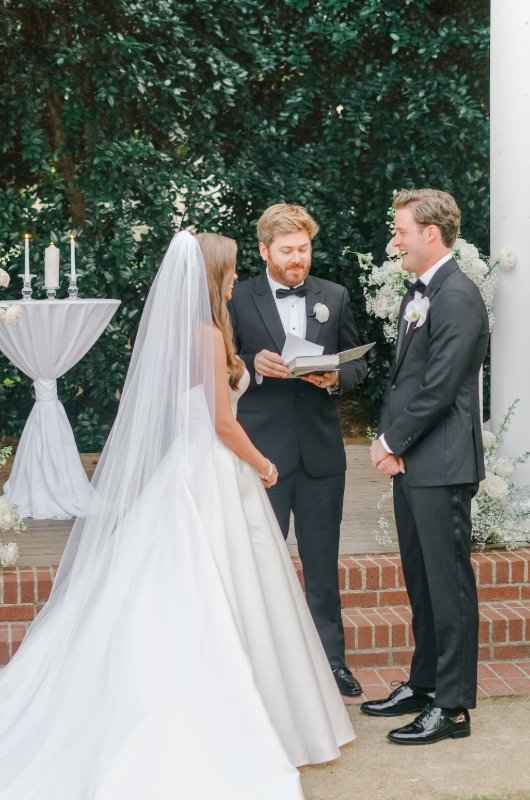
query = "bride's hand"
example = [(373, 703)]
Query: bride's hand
[(269, 474)]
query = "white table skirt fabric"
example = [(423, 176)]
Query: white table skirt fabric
[(48, 480)]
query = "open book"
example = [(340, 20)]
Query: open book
[(303, 365)]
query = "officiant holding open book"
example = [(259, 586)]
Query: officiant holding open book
[(295, 421)]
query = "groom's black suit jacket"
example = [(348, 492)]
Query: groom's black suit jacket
[(431, 412), (291, 419)]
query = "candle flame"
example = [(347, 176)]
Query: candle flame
[(26, 236), (71, 236)]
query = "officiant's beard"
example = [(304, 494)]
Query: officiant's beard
[(290, 275)]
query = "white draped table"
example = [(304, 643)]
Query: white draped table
[(48, 480)]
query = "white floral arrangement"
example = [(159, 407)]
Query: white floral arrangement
[(9, 520), (500, 508), (384, 286), (10, 314)]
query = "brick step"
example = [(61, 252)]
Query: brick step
[(382, 637), (375, 581)]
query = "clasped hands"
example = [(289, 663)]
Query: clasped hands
[(385, 462), (271, 365)]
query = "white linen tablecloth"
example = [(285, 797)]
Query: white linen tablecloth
[(48, 480)]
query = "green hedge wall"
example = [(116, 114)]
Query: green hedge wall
[(127, 120)]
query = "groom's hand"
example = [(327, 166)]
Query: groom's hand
[(385, 462), (270, 364), (391, 465)]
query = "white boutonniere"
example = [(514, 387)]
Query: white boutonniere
[(321, 312), (416, 310)]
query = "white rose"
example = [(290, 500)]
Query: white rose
[(392, 251), (468, 252), (488, 439), (13, 315), (496, 487), (4, 278), (321, 312), (474, 508), (506, 259), (458, 245), (9, 554), (6, 515), (504, 467)]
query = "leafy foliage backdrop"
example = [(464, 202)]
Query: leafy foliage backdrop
[(124, 121)]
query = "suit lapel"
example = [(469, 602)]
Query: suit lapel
[(429, 292), (266, 306), (314, 295)]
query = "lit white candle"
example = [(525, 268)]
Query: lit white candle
[(26, 258), (72, 257), (51, 266)]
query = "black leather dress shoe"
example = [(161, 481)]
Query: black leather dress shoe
[(431, 726), (402, 701), (348, 686)]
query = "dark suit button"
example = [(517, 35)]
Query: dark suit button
[(409, 439), (394, 386)]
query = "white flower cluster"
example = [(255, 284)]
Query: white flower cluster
[(499, 510), (384, 288), (9, 520), (468, 259), (10, 314), (8, 554)]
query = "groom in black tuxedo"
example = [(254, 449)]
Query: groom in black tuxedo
[(431, 440), (295, 422)]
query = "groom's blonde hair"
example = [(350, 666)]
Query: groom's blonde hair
[(432, 207), (284, 218)]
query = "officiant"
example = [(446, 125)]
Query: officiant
[(295, 422)]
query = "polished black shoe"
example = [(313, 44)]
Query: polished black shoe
[(348, 686), (402, 701), (431, 726)]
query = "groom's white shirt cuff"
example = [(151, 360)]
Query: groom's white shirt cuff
[(383, 442)]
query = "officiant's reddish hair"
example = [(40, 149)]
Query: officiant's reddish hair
[(219, 253), (284, 218), (432, 207)]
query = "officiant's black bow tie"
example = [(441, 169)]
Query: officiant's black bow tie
[(299, 291)]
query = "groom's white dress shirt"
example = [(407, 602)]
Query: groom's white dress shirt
[(292, 313), (426, 278)]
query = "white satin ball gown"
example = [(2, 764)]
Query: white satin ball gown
[(199, 675)]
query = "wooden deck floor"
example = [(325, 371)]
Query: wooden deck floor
[(43, 542)]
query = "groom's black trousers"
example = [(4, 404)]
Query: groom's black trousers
[(317, 507), (434, 531)]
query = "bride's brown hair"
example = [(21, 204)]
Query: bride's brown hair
[(219, 253)]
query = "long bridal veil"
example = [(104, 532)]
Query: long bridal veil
[(133, 681)]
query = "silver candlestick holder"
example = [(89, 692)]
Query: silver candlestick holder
[(27, 291), (51, 292), (72, 289)]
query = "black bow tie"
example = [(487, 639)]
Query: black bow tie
[(299, 291)]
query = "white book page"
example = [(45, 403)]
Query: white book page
[(295, 347)]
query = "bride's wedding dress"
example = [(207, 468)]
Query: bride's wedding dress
[(176, 658)]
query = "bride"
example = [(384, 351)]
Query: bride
[(176, 657)]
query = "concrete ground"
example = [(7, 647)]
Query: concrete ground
[(493, 763)]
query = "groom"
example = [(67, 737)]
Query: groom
[(430, 439), (295, 422)]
